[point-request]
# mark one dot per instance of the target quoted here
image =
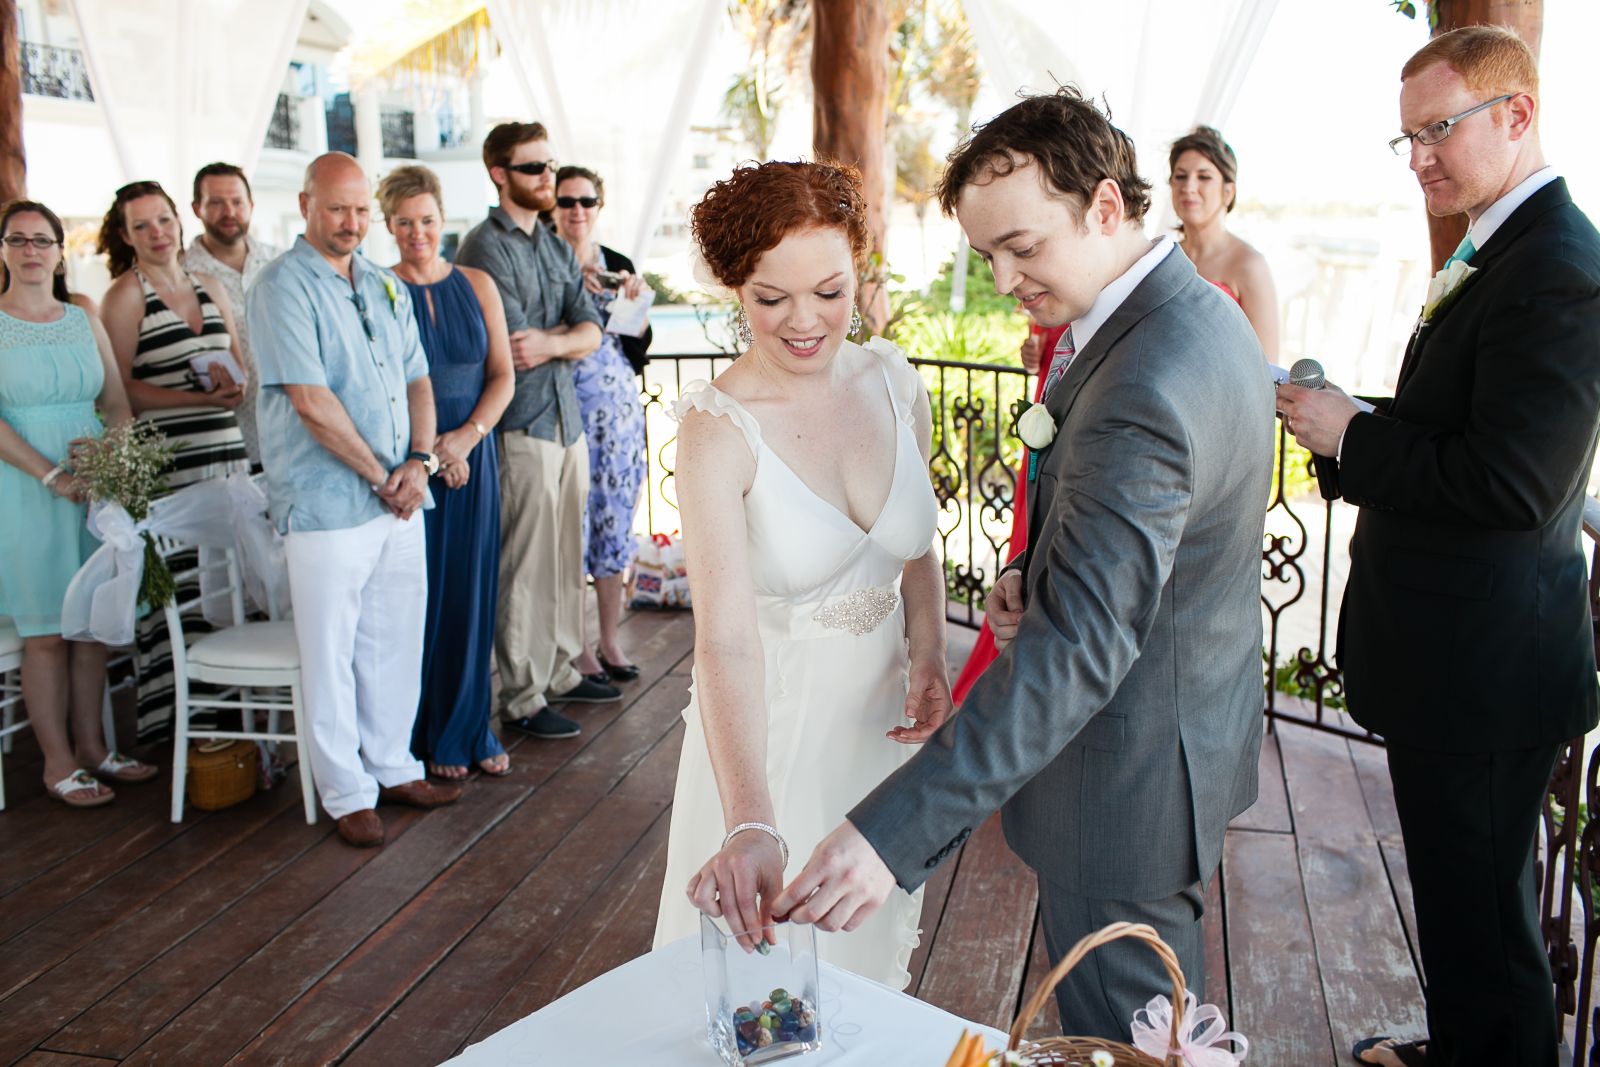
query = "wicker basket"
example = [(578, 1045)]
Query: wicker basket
[(222, 773), (1076, 1051)]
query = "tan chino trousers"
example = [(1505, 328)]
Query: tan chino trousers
[(539, 620)]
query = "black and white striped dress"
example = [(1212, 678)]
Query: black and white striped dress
[(209, 446)]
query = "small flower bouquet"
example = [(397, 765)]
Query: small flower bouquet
[(127, 469)]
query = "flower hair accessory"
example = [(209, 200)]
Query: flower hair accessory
[(1203, 1034)]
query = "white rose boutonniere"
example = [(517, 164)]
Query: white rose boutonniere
[(1036, 426), (1444, 287)]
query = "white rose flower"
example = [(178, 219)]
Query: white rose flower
[(1447, 281), (1036, 426)]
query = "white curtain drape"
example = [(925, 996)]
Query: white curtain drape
[(174, 79), (1162, 66), (613, 81)]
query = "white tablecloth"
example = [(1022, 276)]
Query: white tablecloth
[(650, 1012)]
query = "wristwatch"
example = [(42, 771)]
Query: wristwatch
[(429, 461)]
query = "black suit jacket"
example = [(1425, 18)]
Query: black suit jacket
[(1465, 624)]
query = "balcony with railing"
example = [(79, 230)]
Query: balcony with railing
[(399, 133), (283, 130), (48, 70)]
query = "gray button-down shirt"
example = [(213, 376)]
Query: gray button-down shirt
[(541, 286), (309, 326)]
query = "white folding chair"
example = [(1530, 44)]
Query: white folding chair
[(248, 657), (11, 698)]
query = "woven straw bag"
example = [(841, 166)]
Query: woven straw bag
[(1076, 1051), (222, 773)]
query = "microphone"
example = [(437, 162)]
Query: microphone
[(1307, 373)]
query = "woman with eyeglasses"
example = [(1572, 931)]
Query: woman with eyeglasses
[(56, 370), (463, 329), (1204, 190), (173, 336), (613, 418)]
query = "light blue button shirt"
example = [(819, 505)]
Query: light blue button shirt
[(310, 326)]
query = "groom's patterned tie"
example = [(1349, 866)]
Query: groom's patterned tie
[(1059, 363)]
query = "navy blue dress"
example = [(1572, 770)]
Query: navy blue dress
[(463, 530)]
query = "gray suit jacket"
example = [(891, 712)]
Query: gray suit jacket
[(1120, 729)]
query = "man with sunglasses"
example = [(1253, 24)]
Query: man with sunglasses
[(346, 419), (1465, 635), (544, 459)]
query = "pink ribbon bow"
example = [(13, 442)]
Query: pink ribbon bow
[(1152, 1029)]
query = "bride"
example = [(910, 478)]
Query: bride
[(808, 520)]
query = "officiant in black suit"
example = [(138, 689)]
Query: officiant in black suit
[(1465, 635)]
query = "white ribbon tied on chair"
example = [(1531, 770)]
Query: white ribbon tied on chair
[(262, 561), (1203, 1033), (102, 600)]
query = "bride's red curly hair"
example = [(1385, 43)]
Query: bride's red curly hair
[(748, 213)]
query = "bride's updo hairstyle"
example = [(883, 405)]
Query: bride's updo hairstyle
[(748, 213)]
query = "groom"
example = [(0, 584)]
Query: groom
[(1120, 727), (1468, 550)]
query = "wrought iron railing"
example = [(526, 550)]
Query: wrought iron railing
[(283, 131), (51, 71), (399, 129)]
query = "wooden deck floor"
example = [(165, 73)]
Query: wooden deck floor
[(247, 937)]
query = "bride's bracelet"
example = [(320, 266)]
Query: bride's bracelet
[(783, 846)]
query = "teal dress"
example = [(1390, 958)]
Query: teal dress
[(50, 378)]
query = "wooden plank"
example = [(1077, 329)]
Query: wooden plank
[(1369, 983), (1271, 809), (1394, 858), (657, 774), (122, 1020), (593, 935), (239, 1007), (1372, 771), (39, 835), (1276, 988), (38, 1008), (61, 1059), (339, 1010), (1047, 1023), (1213, 926), (446, 1008), (125, 881), (649, 718), (975, 969)]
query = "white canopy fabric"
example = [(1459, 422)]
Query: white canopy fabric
[(613, 81), (183, 83), (1162, 66)]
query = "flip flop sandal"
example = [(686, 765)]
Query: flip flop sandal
[(80, 789), (120, 768), (1409, 1053), (482, 766)]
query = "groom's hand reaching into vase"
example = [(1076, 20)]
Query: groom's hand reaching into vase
[(738, 884), (843, 883)]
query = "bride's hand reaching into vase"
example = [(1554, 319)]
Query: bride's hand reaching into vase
[(928, 702), (739, 883)]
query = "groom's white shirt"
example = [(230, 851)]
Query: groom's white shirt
[(1112, 296)]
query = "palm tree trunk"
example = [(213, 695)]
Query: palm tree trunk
[(13, 167), (850, 79), (1525, 18)]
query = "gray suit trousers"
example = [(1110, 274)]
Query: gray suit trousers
[(1100, 995)]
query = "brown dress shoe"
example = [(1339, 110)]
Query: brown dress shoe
[(363, 829), (420, 794)]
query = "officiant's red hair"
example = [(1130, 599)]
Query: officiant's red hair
[(749, 212), (1490, 59)]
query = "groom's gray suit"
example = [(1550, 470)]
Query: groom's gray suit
[(1120, 729)]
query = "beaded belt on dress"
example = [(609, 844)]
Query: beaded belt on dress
[(857, 613)]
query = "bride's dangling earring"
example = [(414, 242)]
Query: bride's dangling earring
[(855, 321), (741, 328)]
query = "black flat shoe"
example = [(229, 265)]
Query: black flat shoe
[(598, 678), (619, 672)]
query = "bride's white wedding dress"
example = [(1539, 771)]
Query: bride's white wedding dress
[(833, 640)]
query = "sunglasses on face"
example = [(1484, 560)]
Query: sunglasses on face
[(574, 201), (532, 169), (17, 240)]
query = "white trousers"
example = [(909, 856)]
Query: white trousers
[(359, 599)]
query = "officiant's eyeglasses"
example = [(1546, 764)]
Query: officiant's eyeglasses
[(532, 169), (1435, 132), (16, 240)]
